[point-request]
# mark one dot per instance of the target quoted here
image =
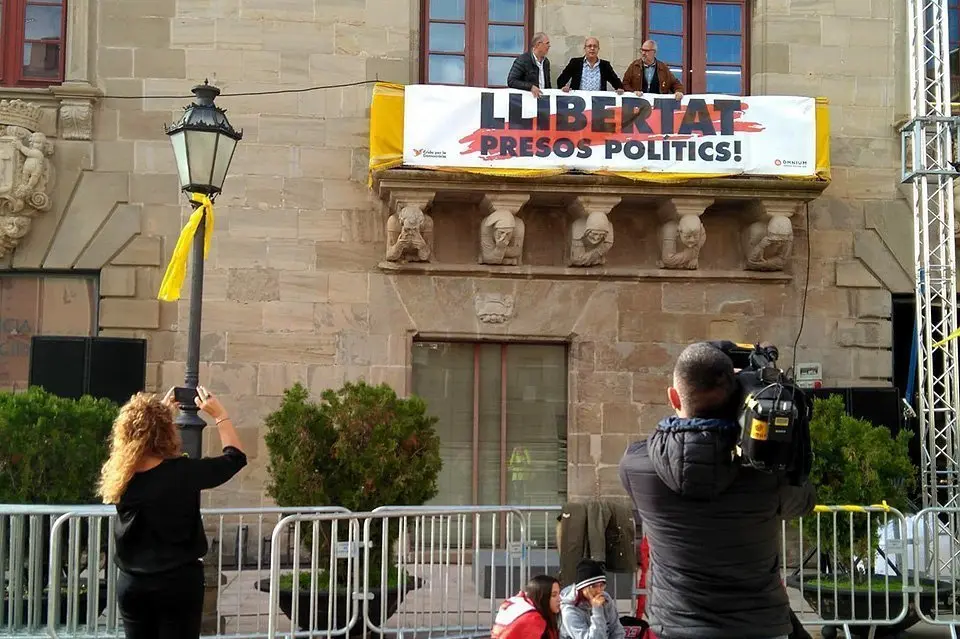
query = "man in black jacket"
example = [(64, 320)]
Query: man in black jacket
[(589, 72), (713, 526), (531, 70)]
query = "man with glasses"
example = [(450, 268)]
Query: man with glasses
[(531, 70), (650, 75), (588, 72)]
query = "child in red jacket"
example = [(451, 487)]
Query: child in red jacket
[(531, 614)]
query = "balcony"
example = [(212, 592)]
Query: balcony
[(493, 183)]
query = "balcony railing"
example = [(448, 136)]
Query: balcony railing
[(497, 183)]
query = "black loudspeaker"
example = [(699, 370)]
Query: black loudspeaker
[(105, 367), (59, 365), (117, 367), (879, 405)]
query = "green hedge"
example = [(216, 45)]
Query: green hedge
[(51, 449)]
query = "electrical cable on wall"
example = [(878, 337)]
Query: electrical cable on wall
[(803, 304), (319, 87)]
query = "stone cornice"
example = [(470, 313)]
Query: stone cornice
[(591, 274), (67, 107), (391, 181)]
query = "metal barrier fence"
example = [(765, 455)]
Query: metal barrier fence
[(24, 540), (437, 570), (847, 570), (936, 563), (400, 570), (70, 550)]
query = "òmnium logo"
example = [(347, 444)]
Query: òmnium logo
[(427, 153), (793, 163)]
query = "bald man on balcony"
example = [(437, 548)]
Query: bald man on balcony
[(650, 75), (589, 72)]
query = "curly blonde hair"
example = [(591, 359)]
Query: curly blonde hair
[(144, 426)]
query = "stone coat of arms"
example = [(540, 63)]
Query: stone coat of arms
[(26, 173)]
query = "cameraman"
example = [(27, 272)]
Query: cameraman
[(713, 525)]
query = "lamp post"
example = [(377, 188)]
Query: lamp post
[(203, 144)]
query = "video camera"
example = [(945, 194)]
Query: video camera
[(774, 414)]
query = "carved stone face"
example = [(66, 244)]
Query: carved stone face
[(689, 231), (503, 236), (779, 231), (594, 237)]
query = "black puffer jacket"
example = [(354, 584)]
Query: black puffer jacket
[(714, 532)]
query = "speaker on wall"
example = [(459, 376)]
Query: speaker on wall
[(105, 367), (117, 367), (58, 364), (879, 405)]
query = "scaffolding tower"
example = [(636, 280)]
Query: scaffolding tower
[(928, 164)]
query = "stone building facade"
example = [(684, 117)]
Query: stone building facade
[(296, 285)]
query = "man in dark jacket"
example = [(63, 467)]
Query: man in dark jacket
[(589, 72), (531, 70), (713, 526)]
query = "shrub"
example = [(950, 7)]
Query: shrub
[(51, 448), (360, 447), (854, 463)]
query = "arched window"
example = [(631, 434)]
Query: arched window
[(32, 34)]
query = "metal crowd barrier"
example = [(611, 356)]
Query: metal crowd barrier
[(935, 562), (440, 571), (24, 541), (849, 580), (70, 550), (399, 570)]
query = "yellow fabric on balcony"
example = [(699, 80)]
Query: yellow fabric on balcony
[(823, 138), (386, 145), (386, 128)]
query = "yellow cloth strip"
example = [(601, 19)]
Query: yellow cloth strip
[(851, 509), (177, 268), (386, 128), (823, 138), (951, 336)]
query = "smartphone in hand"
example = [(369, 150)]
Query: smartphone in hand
[(184, 395)]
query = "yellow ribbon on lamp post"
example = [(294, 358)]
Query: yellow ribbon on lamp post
[(177, 268)]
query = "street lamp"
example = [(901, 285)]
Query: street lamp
[(203, 144)]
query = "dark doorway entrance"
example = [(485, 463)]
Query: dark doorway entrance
[(904, 335)]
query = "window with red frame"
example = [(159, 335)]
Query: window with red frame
[(473, 42), (32, 36), (705, 42)]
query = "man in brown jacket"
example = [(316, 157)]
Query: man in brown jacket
[(649, 75)]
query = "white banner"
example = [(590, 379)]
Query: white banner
[(448, 126)]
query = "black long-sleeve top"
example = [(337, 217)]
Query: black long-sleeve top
[(159, 526)]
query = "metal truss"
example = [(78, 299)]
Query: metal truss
[(928, 165)]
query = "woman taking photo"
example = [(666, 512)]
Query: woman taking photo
[(160, 541), (532, 614)]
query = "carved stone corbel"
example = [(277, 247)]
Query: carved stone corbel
[(75, 116), (26, 173), (681, 232), (502, 230), (767, 238), (409, 228), (591, 234)]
